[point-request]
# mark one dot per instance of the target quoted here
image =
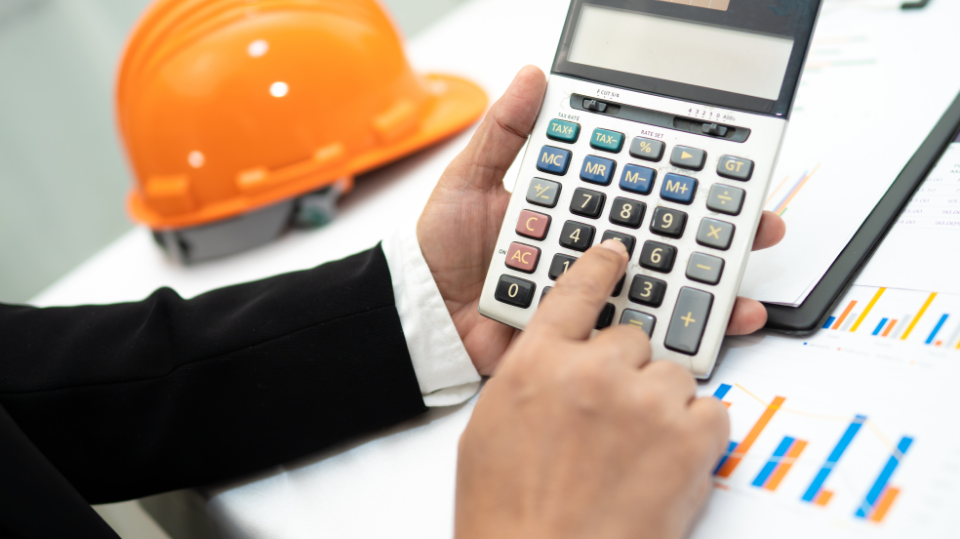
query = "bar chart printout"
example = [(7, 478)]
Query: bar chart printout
[(815, 493), (881, 495), (780, 463), (736, 451)]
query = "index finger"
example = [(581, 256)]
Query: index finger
[(572, 308)]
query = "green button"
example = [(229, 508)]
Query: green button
[(563, 131), (610, 141)]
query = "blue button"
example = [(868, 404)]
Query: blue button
[(554, 160), (597, 170), (637, 179), (677, 188)]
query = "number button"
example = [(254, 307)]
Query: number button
[(735, 168), (638, 319), (523, 257), (637, 179), (685, 157), (716, 234), (587, 203), (597, 170), (658, 256), (563, 131), (543, 192), (689, 320), (627, 212), (667, 222), (533, 225), (544, 293), (647, 291), (606, 316), (628, 241), (577, 236), (725, 199), (560, 265), (677, 188), (647, 149), (704, 268), (554, 160), (610, 141), (514, 291)]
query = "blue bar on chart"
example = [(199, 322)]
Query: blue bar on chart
[(722, 391), (870, 502), (778, 454), (811, 494), (936, 329), (880, 326), (829, 322), (730, 447)]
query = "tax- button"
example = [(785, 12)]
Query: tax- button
[(563, 131), (735, 168), (597, 170), (704, 268), (533, 225), (685, 157), (677, 188), (725, 199), (554, 160), (514, 291), (688, 321), (610, 141), (523, 257)]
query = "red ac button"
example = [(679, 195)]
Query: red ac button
[(523, 257)]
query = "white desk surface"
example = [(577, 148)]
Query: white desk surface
[(398, 483)]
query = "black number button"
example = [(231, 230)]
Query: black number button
[(559, 266), (627, 212), (577, 236), (628, 241), (514, 291), (658, 256), (667, 222), (587, 203), (606, 316), (647, 291), (544, 293)]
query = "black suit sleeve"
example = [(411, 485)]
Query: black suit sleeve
[(134, 399)]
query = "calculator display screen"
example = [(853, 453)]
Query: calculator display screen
[(704, 55)]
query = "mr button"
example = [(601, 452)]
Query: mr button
[(523, 257), (688, 321), (554, 160)]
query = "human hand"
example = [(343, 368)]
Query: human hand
[(586, 438), (459, 227)]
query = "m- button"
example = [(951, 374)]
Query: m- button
[(690, 158)]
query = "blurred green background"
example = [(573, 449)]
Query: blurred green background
[(63, 178)]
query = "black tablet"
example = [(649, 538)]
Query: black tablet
[(813, 312)]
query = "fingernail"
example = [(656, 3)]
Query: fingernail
[(616, 246)]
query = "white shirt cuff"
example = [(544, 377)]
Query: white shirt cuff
[(443, 367)]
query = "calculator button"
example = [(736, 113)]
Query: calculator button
[(647, 148), (667, 222), (523, 257), (637, 179), (514, 291), (688, 321), (610, 141), (577, 236), (560, 265), (619, 288), (543, 192), (597, 170), (563, 131), (544, 293), (638, 319), (725, 199), (735, 168), (716, 234), (554, 160), (704, 268), (587, 203), (606, 316), (647, 291), (628, 241), (677, 188), (533, 225), (685, 157), (658, 256), (627, 212)]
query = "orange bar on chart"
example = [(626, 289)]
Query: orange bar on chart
[(738, 453), (785, 465), (846, 313), (889, 327), (919, 316), (823, 498), (863, 316), (881, 510)]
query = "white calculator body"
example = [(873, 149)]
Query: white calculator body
[(660, 127)]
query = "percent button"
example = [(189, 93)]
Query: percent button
[(647, 149)]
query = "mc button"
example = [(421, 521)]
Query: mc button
[(554, 160)]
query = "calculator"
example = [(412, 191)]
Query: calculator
[(660, 128)]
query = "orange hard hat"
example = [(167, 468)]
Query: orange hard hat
[(230, 106)]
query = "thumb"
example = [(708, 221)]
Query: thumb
[(502, 134)]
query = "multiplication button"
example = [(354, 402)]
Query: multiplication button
[(716, 234), (514, 291), (688, 321), (543, 192), (725, 199)]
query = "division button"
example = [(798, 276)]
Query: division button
[(554, 160), (587, 203), (638, 319), (647, 291), (647, 149), (627, 212), (688, 321), (514, 291), (563, 131), (667, 222), (523, 257), (704, 268), (606, 316), (716, 234), (533, 225), (725, 199), (560, 265), (597, 170), (628, 241), (577, 236), (609, 141), (685, 157), (735, 168), (637, 179), (543, 192), (658, 256), (677, 188)]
